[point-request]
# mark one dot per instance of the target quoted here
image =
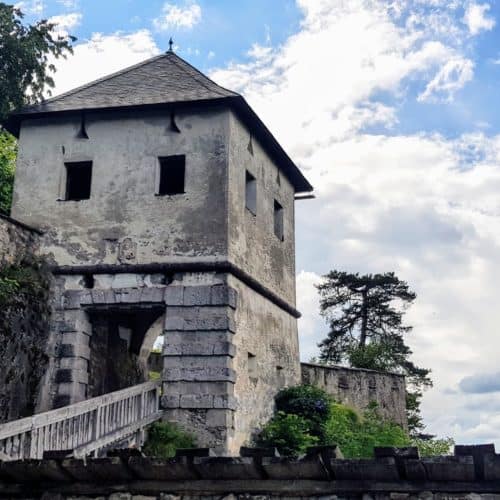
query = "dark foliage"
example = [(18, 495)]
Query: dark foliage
[(26, 55), (307, 401), (164, 438)]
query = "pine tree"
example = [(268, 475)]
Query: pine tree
[(365, 316)]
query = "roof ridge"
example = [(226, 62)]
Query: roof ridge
[(100, 80), (202, 75)]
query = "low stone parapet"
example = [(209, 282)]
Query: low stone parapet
[(194, 474)]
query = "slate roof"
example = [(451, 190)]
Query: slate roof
[(160, 81)]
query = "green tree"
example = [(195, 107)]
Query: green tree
[(365, 316), (8, 151), (26, 68), (25, 59)]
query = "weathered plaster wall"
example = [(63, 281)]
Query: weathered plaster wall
[(266, 360), (252, 242), (24, 318), (123, 221), (358, 388)]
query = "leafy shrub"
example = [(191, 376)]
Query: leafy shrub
[(357, 435), (308, 402), (433, 447), (289, 433), (8, 152), (18, 282), (165, 438)]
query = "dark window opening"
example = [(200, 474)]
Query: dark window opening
[(78, 180), (278, 220), (251, 192), (172, 174), (88, 281)]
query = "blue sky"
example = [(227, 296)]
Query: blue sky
[(391, 110)]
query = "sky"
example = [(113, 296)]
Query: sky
[(390, 108)]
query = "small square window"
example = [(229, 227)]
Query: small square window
[(78, 180), (278, 220), (251, 192), (172, 174)]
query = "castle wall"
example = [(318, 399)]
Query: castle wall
[(266, 360), (23, 325), (124, 222), (358, 388), (16, 242), (252, 243)]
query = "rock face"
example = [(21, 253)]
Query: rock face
[(24, 320)]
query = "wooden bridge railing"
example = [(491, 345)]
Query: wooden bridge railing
[(84, 427)]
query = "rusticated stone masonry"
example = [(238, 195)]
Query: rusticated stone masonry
[(198, 325), (198, 374)]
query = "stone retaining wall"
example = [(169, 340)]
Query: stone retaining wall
[(23, 324), (395, 473), (358, 388), (16, 241)]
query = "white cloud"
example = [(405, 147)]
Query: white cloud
[(451, 77), (68, 4), (31, 7), (476, 18), (65, 23), (422, 205), (102, 55), (174, 16)]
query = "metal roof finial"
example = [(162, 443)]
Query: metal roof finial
[(170, 45)]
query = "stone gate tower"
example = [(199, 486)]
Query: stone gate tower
[(167, 208)]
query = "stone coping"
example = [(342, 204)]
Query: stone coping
[(21, 224), (320, 471), (350, 368)]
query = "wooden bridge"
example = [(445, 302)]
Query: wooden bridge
[(85, 428)]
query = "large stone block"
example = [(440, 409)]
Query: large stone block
[(74, 363), (197, 295), (459, 468), (197, 362), (72, 299), (128, 295), (66, 375), (154, 295), (74, 351), (382, 469), (75, 338), (220, 468), (197, 401), (171, 469), (174, 295), (309, 467), (199, 374), (127, 280), (225, 401), (214, 388), (170, 401)]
